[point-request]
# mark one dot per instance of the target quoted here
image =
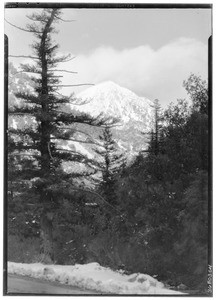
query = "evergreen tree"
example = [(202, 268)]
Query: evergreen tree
[(111, 166), (37, 145), (154, 145)]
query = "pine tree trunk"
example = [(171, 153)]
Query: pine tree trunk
[(47, 251), (46, 234)]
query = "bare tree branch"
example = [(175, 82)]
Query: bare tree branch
[(64, 71), (24, 56), (19, 72), (55, 76), (64, 20), (23, 154), (35, 72), (20, 113), (20, 28), (68, 85)]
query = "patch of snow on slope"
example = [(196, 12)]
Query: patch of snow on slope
[(76, 147), (93, 276)]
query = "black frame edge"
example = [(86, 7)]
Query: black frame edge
[(5, 164)]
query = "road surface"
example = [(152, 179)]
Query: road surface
[(27, 285)]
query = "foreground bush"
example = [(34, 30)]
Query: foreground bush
[(23, 250)]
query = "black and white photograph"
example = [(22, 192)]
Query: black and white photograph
[(107, 149)]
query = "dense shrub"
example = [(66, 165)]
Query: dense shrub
[(23, 250)]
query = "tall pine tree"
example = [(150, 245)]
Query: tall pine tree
[(36, 144)]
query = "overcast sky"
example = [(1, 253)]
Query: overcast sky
[(149, 51)]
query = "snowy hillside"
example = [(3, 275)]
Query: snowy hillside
[(94, 277)]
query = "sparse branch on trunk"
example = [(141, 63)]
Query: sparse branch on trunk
[(20, 72), (38, 73), (56, 70), (24, 56), (55, 76), (64, 20), (20, 113), (23, 154), (69, 85), (23, 29)]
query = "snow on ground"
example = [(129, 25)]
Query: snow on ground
[(94, 277)]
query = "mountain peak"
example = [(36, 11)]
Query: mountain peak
[(113, 100), (135, 114), (110, 92), (105, 87), (108, 83)]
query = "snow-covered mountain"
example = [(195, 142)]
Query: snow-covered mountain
[(116, 101), (135, 113)]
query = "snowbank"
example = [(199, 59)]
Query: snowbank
[(94, 277)]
